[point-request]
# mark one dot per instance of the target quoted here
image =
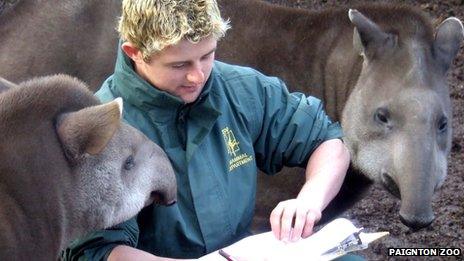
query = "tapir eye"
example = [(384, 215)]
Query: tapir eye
[(381, 115), (129, 164), (443, 124)]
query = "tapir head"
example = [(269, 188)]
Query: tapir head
[(398, 117), (117, 166), (70, 166)]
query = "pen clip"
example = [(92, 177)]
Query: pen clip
[(350, 243)]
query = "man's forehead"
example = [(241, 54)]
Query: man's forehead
[(186, 50)]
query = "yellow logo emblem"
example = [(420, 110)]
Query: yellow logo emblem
[(231, 142), (233, 149)]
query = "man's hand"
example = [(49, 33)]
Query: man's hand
[(293, 219), (325, 171)]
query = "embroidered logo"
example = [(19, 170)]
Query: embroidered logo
[(231, 142), (233, 150)]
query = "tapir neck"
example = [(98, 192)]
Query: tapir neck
[(37, 224), (31, 232), (44, 228)]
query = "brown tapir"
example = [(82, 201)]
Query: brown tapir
[(69, 166), (314, 52), (383, 74)]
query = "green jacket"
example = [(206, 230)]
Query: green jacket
[(242, 121)]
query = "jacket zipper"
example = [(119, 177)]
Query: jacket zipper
[(182, 124)]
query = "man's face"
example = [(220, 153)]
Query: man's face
[(182, 69)]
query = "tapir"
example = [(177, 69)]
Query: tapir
[(359, 64), (380, 70), (68, 166)]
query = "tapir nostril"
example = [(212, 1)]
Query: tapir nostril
[(416, 224), (158, 198), (161, 199), (390, 185)]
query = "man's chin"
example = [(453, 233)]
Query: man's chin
[(190, 98)]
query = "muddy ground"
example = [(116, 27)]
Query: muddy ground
[(378, 211)]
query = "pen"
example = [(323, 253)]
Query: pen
[(350, 243), (225, 255)]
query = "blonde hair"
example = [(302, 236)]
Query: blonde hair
[(152, 25)]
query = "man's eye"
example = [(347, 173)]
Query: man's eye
[(207, 56), (177, 66)]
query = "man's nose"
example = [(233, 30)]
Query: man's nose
[(196, 75)]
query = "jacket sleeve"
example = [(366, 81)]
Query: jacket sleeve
[(98, 245), (292, 126)]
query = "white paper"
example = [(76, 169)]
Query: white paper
[(266, 247)]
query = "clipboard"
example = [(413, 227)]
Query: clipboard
[(335, 239)]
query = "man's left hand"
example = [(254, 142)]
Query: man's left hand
[(293, 219)]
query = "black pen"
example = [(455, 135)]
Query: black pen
[(225, 255)]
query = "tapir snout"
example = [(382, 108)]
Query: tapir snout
[(159, 183), (166, 194), (416, 223), (418, 169), (413, 216)]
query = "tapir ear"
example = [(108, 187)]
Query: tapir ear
[(448, 38), (88, 130), (368, 38), (6, 85)]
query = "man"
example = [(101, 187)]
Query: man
[(218, 124)]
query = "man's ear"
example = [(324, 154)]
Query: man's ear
[(132, 52)]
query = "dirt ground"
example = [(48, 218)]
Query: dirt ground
[(378, 211)]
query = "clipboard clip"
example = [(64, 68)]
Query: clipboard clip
[(351, 243)]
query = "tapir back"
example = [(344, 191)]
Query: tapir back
[(58, 36), (311, 51)]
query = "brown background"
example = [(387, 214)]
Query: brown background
[(378, 211)]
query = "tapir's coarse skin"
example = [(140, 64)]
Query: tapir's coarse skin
[(391, 75), (58, 36), (380, 70), (69, 166)]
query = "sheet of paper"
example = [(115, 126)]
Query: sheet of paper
[(266, 247)]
